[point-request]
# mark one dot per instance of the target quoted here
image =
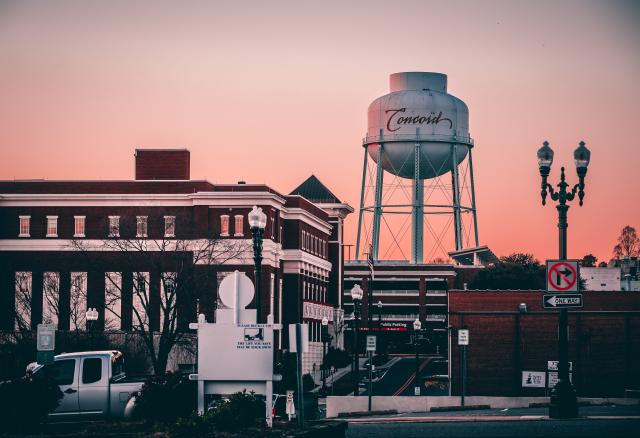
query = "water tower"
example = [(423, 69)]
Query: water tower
[(415, 175)]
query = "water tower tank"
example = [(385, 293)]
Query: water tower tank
[(418, 110)]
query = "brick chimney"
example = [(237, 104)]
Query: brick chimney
[(162, 164)]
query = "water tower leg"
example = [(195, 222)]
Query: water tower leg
[(377, 211), (473, 198), (417, 216), (362, 191), (457, 223)]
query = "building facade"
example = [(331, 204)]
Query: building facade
[(136, 249)]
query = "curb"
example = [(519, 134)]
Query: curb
[(475, 419)]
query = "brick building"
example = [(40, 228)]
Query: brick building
[(60, 249), (504, 341), (399, 294)]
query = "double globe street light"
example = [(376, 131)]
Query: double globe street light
[(257, 223), (563, 401)]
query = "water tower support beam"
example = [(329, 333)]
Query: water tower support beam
[(377, 211), (362, 190), (473, 198), (456, 197), (417, 216)]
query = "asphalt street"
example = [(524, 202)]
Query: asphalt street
[(521, 429), (399, 378)]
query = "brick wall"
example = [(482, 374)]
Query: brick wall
[(604, 341)]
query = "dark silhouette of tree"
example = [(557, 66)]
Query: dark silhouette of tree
[(628, 243), (589, 261), (602, 265), (517, 271)]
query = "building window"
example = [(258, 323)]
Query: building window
[(78, 301), (25, 222), (169, 226), (141, 226), (23, 293), (304, 290), (52, 226), (239, 222), (50, 298), (112, 301), (114, 226), (304, 237), (140, 304), (224, 225), (78, 228), (168, 301)]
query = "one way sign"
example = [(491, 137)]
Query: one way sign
[(563, 276), (558, 301)]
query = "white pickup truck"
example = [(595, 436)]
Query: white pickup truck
[(93, 384)]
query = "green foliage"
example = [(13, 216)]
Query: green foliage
[(337, 358), (628, 243), (27, 401), (589, 261), (308, 383), (517, 271), (166, 398)]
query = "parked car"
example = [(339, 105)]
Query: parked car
[(93, 383)]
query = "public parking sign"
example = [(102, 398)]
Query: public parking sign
[(563, 276)]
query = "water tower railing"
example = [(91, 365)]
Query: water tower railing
[(421, 138)]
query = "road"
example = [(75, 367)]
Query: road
[(521, 429), (525, 422), (399, 380)]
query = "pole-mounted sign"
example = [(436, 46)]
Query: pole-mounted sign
[(563, 276), (559, 301), (371, 343), (46, 343), (463, 337)]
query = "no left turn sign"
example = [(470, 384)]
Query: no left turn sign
[(563, 276)]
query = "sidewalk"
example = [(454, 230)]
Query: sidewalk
[(612, 412)]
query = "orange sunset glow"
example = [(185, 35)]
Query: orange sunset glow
[(272, 92)]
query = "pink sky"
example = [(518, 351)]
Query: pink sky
[(275, 91)]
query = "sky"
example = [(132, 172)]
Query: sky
[(272, 92)]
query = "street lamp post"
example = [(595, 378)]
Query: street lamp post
[(417, 325), (326, 338), (91, 316), (257, 222), (356, 297), (563, 401)]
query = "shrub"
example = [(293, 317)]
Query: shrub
[(241, 411), (308, 383), (166, 398), (27, 401)]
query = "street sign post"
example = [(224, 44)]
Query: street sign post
[(559, 301), (463, 341), (563, 276), (371, 348)]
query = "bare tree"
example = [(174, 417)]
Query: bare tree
[(628, 243), (173, 259)]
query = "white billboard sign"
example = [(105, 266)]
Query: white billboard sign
[(534, 379)]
